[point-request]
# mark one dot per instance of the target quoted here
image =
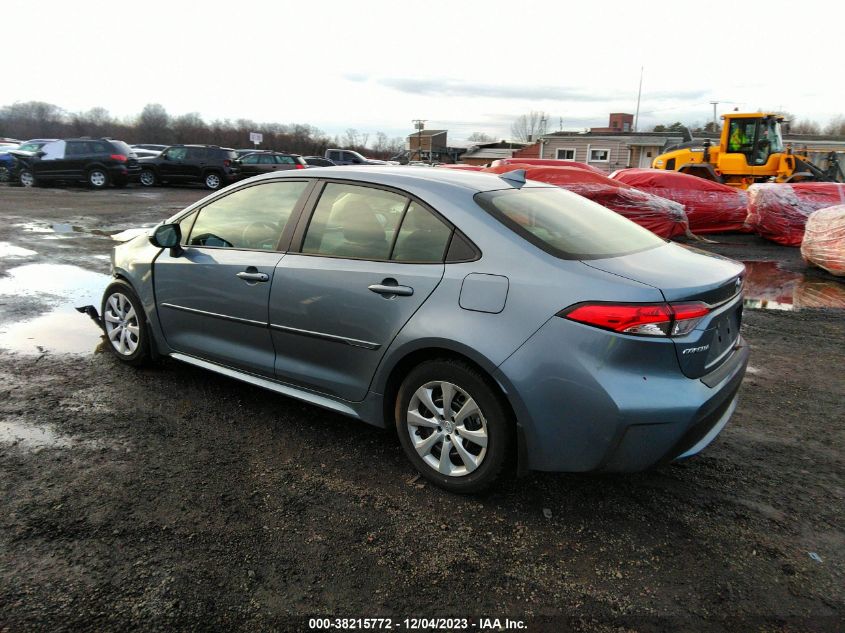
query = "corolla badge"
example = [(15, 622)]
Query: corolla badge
[(694, 350)]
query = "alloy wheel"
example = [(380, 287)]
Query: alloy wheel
[(212, 181), (122, 327), (97, 178), (147, 178), (26, 178), (447, 428)]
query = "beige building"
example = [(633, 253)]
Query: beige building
[(608, 151)]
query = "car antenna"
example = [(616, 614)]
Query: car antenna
[(515, 177)]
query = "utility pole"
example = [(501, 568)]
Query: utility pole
[(419, 124), (714, 104), (639, 95)]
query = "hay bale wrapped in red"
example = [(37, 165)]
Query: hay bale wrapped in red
[(546, 162), (711, 207), (660, 216), (779, 212), (824, 240)]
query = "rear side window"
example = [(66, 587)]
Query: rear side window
[(285, 160), (197, 153), (250, 218), (355, 222), (264, 159), (422, 238), (99, 147), (565, 224)]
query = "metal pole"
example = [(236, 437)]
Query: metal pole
[(639, 95), (714, 104)]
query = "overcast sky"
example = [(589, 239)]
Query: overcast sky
[(465, 66)]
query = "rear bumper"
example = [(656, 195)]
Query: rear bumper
[(589, 400)]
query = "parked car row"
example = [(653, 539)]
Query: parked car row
[(104, 162)]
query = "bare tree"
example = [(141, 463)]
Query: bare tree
[(804, 126), (480, 137), (529, 127), (153, 124), (350, 137), (836, 127), (188, 127), (365, 136)]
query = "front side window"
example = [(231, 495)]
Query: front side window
[(353, 221), (264, 159), (565, 224), (177, 153), (250, 218)]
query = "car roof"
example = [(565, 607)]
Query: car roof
[(400, 176)]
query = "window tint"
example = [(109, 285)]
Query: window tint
[(285, 160), (565, 224), (177, 153), (422, 238), (353, 221), (264, 159), (334, 155), (76, 148), (99, 147), (253, 217), (197, 153), (250, 159)]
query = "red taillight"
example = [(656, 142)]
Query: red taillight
[(119, 158), (227, 162), (299, 166), (660, 319)]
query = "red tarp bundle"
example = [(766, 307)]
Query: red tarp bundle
[(824, 240), (711, 207), (462, 167), (779, 212), (660, 216), (546, 162)]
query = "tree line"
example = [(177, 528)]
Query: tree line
[(37, 119)]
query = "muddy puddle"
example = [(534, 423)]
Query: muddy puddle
[(60, 328), (26, 435), (770, 287)]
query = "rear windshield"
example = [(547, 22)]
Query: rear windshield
[(122, 147), (565, 224)]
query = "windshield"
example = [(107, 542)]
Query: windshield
[(32, 146), (565, 224), (770, 131)]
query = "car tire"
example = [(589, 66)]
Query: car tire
[(97, 178), (27, 178), (476, 427), (213, 180), (148, 178), (125, 325)]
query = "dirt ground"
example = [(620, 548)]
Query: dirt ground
[(170, 498)]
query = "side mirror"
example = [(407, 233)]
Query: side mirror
[(165, 156), (168, 236)]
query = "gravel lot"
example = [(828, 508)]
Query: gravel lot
[(170, 498)]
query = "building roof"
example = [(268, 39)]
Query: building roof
[(427, 133), (490, 152), (644, 135)]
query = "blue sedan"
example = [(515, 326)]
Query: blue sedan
[(491, 321)]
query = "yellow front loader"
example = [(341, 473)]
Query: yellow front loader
[(750, 150)]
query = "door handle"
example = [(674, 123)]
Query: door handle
[(253, 276), (389, 288)]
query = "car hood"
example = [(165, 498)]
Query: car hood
[(679, 272)]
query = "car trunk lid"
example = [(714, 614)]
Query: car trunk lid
[(685, 274)]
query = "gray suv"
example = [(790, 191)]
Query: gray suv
[(489, 320)]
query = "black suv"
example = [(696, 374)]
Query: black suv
[(210, 165), (99, 162)]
